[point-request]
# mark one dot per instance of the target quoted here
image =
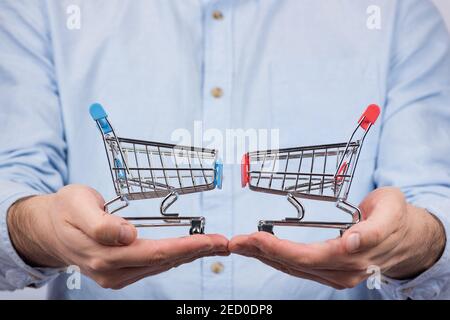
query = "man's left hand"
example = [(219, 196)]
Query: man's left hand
[(402, 240)]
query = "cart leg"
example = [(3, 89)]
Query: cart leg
[(166, 203), (110, 202), (265, 227), (351, 209), (298, 206)]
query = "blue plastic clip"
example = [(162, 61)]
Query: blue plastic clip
[(98, 114), (120, 173), (218, 174)]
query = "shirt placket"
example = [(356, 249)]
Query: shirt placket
[(217, 86)]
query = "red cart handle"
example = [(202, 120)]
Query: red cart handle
[(245, 166), (369, 116)]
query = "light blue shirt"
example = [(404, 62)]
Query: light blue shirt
[(307, 68)]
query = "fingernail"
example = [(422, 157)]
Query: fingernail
[(353, 242), (126, 235)]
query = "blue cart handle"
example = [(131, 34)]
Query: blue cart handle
[(99, 115)]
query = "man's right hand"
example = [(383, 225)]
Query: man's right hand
[(70, 227)]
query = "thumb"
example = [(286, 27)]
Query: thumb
[(382, 210), (86, 212), (368, 233), (108, 229)]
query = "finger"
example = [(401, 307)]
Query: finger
[(148, 273), (251, 250), (155, 252), (323, 255), (118, 279), (332, 273), (126, 276), (100, 226), (237, 243), (109, 229), (333, 278), (328, 255), (145, 272), (255, 253), (381, 221), (300, 274), (338, 279)]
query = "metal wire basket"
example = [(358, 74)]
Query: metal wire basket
[(145, 170), (320, 172)]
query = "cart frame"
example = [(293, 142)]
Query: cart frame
[(314, 185), (140, 181)]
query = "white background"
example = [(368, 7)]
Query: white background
[(443, 5)]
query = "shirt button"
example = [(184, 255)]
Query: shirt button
[(217, 92), (217, 267), (217, 15)]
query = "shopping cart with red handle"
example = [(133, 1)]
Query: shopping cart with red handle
[(320, 172), (145, 170)]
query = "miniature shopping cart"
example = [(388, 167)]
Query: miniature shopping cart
[(321, 172), (146, 170)]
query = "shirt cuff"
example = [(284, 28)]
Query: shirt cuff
[(14, 272), (434, 283)]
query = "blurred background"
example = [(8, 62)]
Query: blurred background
[(444, 7)]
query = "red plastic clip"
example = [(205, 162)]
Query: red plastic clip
[(370, 116), (342, 170), (245, 166)]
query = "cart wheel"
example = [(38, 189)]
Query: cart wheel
[(266, 228), (197, 227), (196, 230)]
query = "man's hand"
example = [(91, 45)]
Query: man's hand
[(71, 228), (401, 239)]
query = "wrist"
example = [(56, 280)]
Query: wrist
[(30, 231), (436, 242), (424, 243)]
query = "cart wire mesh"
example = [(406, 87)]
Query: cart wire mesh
[(154, 170), (304, 172)]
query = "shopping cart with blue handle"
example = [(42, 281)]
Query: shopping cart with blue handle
[(145, 170), (320, 172)]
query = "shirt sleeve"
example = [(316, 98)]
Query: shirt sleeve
[(415, 136), (32, 144)]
